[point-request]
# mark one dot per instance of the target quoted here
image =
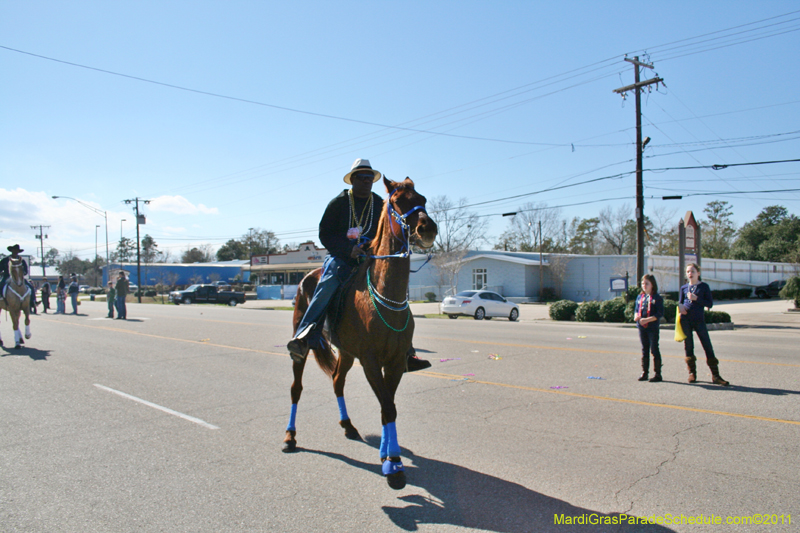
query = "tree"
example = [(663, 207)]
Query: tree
[(51, 257), (70, 264), (149, 250), (201, 254), (458, 229), (524, 229), (614, 228), (125, 252), (774, 235), (664, 234), (448, 265), (260, 242), (232, 250), (718, 230), (585, 235)]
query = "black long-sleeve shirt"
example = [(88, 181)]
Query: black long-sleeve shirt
[(337, 220), (694, 309)]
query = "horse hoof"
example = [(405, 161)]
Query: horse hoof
[(350, 431), (395, 474), (28, 336), (397, 481), (289, 442)]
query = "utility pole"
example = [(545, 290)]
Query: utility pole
[(637, 87), (140, 219), (41, 238)]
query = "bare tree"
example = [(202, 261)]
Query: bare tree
[(612, 228), (448, 265), (524, 234), (458, 229), (664, 238), (558, 270)]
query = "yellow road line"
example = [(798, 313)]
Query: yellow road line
[(441, 375), (456, 377)]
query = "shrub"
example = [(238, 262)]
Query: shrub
[(791, 291), (670, 308), (670, 295), (563, 310), (97, 290), (588, 312), (716, 317), (632, 293), (150, 292), (431, 296), (613, 310), (731, 294), (630, 310), (548, 294)]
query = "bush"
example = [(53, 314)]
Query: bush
[(791, 291), (716, 317), (630, 310), (632, 293), (97, 290), (548, 295), (431, 296), (731, 294), (588, 312), (613, 310), (670, 296), (670, 308), (563, 310)]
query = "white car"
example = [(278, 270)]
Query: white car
[(479, 304)]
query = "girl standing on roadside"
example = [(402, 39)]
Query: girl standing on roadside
[(648, 311), (692, 299)]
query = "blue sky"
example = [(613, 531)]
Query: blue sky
[(260, 108)]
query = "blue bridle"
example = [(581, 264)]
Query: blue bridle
[(400, 220)]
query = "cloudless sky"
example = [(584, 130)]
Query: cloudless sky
[(259, 108)]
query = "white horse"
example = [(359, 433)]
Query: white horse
[(17, 298)]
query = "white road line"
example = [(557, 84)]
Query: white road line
[(160, 408)]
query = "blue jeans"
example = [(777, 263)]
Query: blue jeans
[(74, 297), (702, 334), (122, 311), (329, 281)]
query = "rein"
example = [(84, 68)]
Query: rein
[(405, 252)]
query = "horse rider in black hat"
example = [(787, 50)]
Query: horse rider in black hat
[(6, 272)]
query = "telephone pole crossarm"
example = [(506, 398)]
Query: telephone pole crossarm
[(639, 85)]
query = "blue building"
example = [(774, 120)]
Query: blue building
[(179, 273)]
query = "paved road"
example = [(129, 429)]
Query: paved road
[(504, 432)]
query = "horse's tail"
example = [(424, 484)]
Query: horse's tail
[(305, 291)]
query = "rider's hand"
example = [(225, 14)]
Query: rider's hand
[(356, 252)]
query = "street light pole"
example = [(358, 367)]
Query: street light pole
[(95, 253), (139, 220), (99, 212)]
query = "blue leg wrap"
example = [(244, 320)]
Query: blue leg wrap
[(390, 467), (393, 448), (342, 409), (292, 419), (384, 443)]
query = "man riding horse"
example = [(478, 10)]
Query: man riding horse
[(349, 222), (6, 272)]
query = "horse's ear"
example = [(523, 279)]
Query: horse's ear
[(390, 185)]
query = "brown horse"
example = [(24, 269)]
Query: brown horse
[(376, 325), (17, 299)]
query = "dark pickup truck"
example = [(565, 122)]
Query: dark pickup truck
[(205, 294)]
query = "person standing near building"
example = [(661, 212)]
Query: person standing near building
[(122, 293), (46, 290), (61, 296), (111, 298), (693, 298), (648, 311), (73, 290)]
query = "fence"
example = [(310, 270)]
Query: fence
[(722, 273)]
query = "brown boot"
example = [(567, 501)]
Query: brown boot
[(690, 364), (713, 365)]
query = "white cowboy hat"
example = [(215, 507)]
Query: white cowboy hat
[(359, 166)]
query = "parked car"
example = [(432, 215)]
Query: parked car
[(83, 289), (222, 285), (132, 288), (479, 304), (768, 291), (196, 294)]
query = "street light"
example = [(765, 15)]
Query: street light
[(95, 254), (99, 212), (120, 227)]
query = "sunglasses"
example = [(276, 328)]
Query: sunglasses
[(363, 176)]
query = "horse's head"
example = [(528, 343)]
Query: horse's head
[(410, 205), (16, 270)]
